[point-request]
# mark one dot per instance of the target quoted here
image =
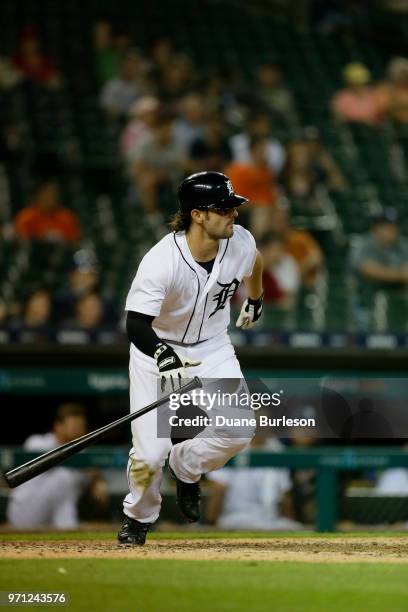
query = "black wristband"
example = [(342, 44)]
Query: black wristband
[(257, 306)]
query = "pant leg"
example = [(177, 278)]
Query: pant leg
[(192, 458), (148, 454)]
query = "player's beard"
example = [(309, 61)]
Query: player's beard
[(229, 230), (218, 233)]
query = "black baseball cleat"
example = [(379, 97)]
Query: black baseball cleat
[(133, 532), (188, 498)]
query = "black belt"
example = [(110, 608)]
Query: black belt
[(183, 343)]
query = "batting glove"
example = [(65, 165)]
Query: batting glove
[(172, 367), (250, 312)]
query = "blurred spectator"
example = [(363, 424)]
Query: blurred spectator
[(211, 151), (359, 101), (120, 92), (298, 243), (158, 166), (50, 500), (274, 94), (34, 324), (176, 81), (281, 276), (46, 218), (9, 75), (382, 258), (84, 272), (393, 482), (83, 278), (309, 171), (252, 498), (379, 262), (255, 180), (322, 162), (161, 54), (395, 91), (31, 63), (89, 311), (219, 90), (88, 325), (258, 125), (109, 50), (190, 122), (143, 116)]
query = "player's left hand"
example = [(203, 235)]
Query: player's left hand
[(172, 367), (250, 312)]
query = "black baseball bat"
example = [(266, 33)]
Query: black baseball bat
[(54, 457)]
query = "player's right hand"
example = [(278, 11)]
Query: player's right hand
[(172, 367)]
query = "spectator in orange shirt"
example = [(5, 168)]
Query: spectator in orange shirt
[(256, 181), (46, 218), (359, 101), (298, 243)]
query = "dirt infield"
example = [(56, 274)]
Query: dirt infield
[(310, 549)]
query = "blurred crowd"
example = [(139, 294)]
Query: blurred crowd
[(239, 498), (77, 314), (363, 100), (270, 499), (169, 120)]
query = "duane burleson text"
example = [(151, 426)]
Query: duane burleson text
[(222, 421)]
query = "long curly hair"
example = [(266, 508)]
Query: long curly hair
[(180, 221)]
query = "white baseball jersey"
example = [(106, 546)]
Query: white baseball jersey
[(190, 305)]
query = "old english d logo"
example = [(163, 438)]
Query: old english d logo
[(226, 292)]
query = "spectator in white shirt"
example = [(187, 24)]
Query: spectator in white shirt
[(118, 94), (244, 498), (258, 125), (50, 499)]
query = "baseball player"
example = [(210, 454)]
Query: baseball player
[(178, 311)]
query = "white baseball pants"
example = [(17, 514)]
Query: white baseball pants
[(189, 459)]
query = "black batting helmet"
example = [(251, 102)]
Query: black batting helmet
[(207, 190)]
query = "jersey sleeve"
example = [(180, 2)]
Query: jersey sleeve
[(249, 249), (149, 286)]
